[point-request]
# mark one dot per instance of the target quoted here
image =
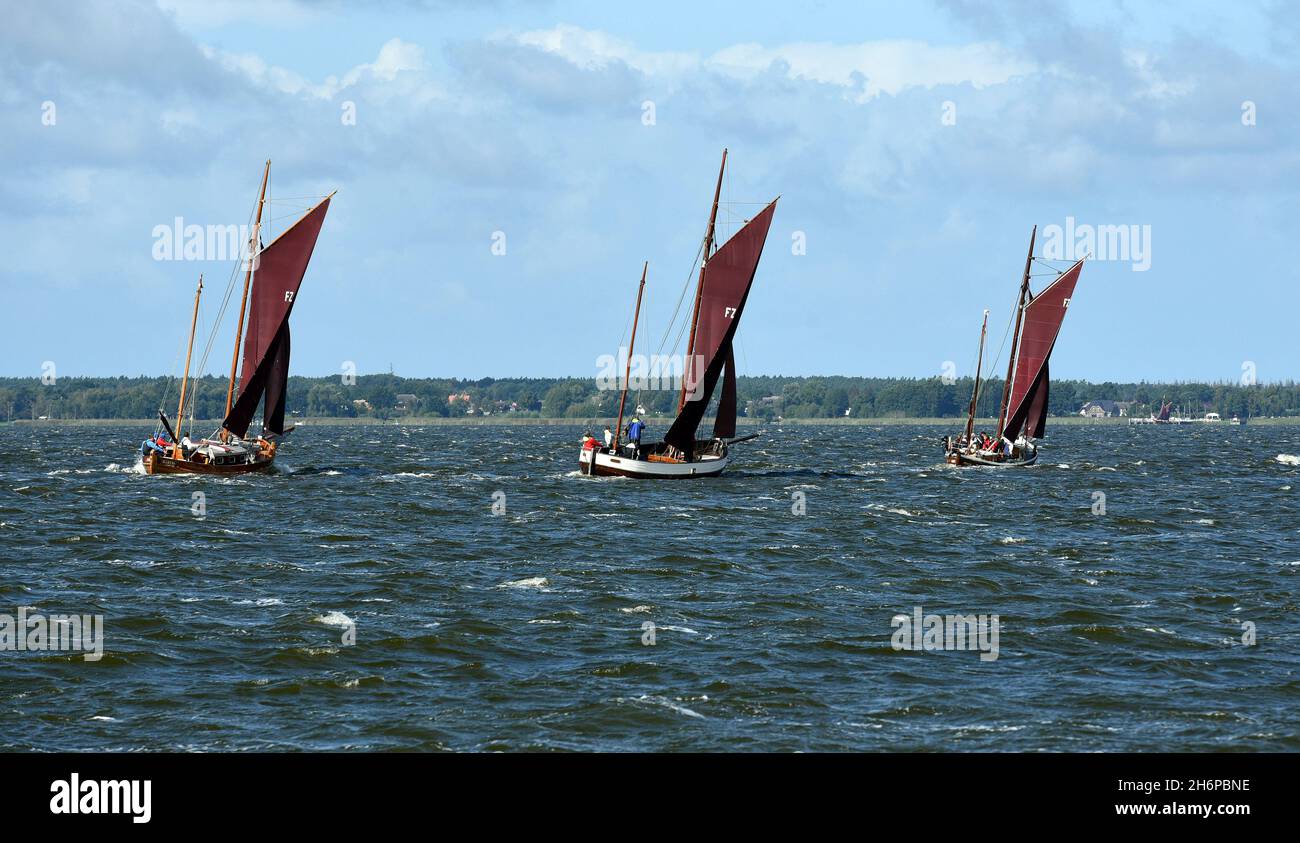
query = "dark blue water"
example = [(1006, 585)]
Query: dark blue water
[(772, 630)]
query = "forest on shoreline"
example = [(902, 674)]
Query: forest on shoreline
[(764, 397)]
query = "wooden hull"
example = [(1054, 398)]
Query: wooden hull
[(962, 458), (603, 464), (159, 464)]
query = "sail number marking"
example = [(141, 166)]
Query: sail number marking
[(728, 312), (288, 295)]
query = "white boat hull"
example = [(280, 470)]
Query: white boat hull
[(604, 464)]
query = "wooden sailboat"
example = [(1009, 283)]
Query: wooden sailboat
[(1022, 416), (271, 280), (726, 275)]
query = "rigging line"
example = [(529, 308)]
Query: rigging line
[(695, 263), (225, 302), (994, 364)]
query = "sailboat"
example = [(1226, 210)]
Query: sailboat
[(1161, 417), (726, 275), (1022, 416), (272, 278)]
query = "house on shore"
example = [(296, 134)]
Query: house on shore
[(1105, 409)]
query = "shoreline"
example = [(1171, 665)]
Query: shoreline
[(533, 421)]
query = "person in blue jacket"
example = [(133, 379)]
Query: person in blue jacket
[(634, 430)]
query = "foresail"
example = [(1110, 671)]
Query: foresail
[(724, 424), (1042, 322), (1031, 415), (277, 276), (728, 276)]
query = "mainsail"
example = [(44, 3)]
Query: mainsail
[(724, 286), (265, 370), (1042, 315)]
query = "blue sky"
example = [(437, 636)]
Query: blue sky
[(527, 118)]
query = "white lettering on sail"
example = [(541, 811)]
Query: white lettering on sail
[(728, 312), (288, 295)]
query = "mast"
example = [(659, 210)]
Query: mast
[(243, 302), (180, 410), (627, 372), (979, 365), (699, 286), (1015, 334)]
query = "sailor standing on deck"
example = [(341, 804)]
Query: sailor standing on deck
[(634, 429), (609, 438)]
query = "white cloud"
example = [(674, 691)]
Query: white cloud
[(888, 67), (592, 49), (398, 69), (874, 67), (203, 14)]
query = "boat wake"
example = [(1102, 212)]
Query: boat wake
[(1288, 459)]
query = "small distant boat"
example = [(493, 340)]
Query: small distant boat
[(1024, 393), (726, 275), (1162, 417), (274, 274)]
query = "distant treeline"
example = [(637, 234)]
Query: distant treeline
[(389, 396)]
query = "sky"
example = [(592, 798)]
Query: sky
[(914, 147)]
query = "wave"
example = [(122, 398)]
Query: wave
[(529, 582)]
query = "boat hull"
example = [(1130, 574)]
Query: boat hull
[(198, 463), (601, 463), (963, 458)]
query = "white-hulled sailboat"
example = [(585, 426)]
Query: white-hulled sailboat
[(726, 275)]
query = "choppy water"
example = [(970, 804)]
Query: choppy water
[(523, 631)]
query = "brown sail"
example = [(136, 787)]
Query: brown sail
[(1043, 315), (724, 287), (278, 274), (724, 424)]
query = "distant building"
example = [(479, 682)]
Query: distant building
[(406, 402), (1104, 409), (362, 404)]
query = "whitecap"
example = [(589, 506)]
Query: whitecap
[(529, 582), (335, 618), (669, 704)]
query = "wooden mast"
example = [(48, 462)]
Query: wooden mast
[(243, 302), (699, 286), (627, 372), (1015, 335), (180, 410), (974, 396)]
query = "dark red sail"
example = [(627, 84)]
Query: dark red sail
[(724, 424), (1164, 411), (276, 278), (728, 276), (1042, 322)]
